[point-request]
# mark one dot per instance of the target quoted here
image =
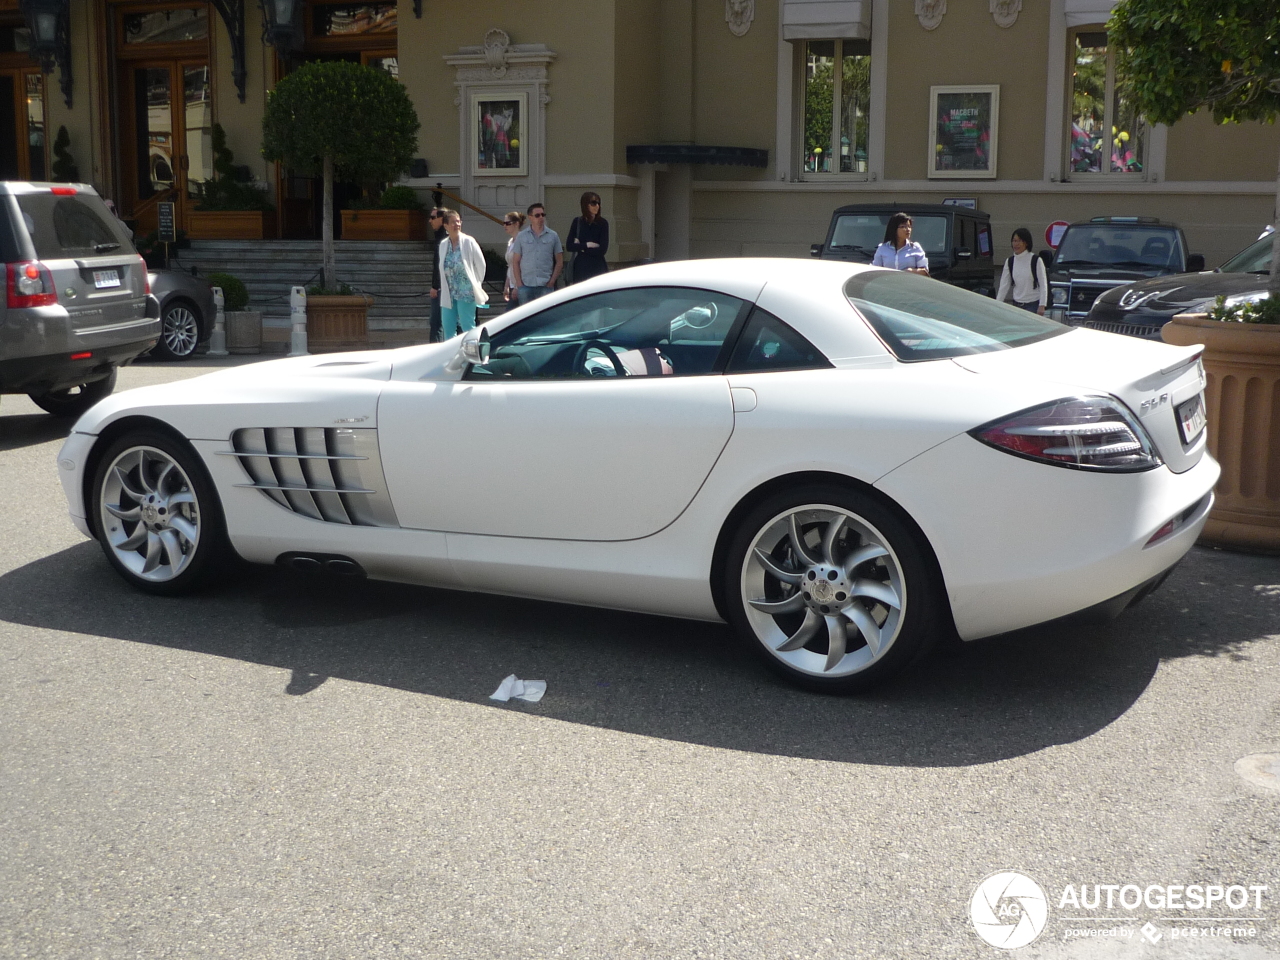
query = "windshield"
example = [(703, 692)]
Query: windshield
[(865, 232), (923, 319), (1122, 245), (1255, 258)]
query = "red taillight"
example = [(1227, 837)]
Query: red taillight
[(1091, 433), (29, 284), (63, 191), (146, 277), (82, 356)]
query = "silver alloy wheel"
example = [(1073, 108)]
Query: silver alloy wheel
[(823, 590), (149, 514), (180, 331)]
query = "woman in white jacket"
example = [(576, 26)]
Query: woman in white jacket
[(462, 270)]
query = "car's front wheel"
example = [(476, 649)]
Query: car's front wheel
[(75, 400), (831, 588), (157, 515), (179, 332)]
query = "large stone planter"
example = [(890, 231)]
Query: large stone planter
[(337, 323), (1242, 362), (244, 331), (224, 225), (384, 225)]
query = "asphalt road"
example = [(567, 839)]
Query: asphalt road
[(292, 769)]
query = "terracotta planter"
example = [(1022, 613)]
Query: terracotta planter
[(384, 225), (224, 225), (1242, 362), (244, 331), (337, 323)]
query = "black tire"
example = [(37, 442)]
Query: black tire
[(137, 506), (75, 400), (827, 604), (180, 331)]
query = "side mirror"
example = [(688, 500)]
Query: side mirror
[(474, 350), (815, 250), (963, 253), (1195, 262)]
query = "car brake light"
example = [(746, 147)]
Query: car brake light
[(29, 284), (1088, 433), (146, 276), (63, 191)]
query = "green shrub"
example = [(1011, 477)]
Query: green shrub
[(1265, 310), (234, 295), (224, 191), (399, 198)]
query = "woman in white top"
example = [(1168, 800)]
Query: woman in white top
[(461, 277), (899, 251), (1024, 275), (513, 223)]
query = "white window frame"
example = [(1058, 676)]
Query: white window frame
[(799, 68), (1146, 131)]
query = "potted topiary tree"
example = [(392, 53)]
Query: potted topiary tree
[(398, 215), (244, 326), (229, 209), (1219, 55), (344, 118)]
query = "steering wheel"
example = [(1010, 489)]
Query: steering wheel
[(581, 358)]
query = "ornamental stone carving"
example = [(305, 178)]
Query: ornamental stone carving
[(496, 44), (739, 14), (930, 13), (1005, 12)]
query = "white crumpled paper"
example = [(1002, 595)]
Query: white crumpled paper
[(513, 686)]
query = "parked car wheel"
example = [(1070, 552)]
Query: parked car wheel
[(179, 331), (75, 400), (157, 516), (830, 588)]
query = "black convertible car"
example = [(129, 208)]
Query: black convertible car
[(1141, 309)]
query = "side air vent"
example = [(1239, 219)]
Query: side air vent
[(325, 473)]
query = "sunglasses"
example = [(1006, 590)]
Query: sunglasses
[(593, 203), (511, 223), (436, 216), (537, 214)]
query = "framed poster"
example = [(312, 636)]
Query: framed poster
[(963, 126), (497, 134)]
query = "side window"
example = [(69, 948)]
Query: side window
[(767, 343), (644, 332), (984, 241)]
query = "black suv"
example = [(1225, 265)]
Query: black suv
[(957, 240), (1096, 255), (77, 304)]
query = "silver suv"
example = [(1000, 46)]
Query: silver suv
[(77, 301)]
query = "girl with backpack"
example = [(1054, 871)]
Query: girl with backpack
[(1024, 275)]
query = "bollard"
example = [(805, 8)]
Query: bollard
[(298, 315), (218, 341)]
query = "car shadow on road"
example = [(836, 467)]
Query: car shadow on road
[(31, 429), (674, 679)]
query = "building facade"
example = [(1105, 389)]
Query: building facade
[(709, 127)]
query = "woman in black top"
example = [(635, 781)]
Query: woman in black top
[(589, 240)]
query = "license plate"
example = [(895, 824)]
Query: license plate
[(1191, 418), (104, 279)]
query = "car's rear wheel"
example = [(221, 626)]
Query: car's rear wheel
[(179, 331), (831, 588), (75, 400), (157, 515)]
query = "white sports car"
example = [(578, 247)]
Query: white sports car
[(843, 462)]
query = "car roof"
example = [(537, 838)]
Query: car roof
[(1125, 222), (939, 208), (15, 187)]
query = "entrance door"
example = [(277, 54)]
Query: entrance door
[(23, 143), (168, 126)]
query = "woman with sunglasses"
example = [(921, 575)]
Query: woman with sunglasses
[(589, 239), (899, 251), (513, 223), (462, 271)]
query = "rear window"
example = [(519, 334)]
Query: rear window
[(865, 232), (64, 227), (1115, 245), (923, 319)]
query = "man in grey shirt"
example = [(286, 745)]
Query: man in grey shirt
[(537, 257)]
